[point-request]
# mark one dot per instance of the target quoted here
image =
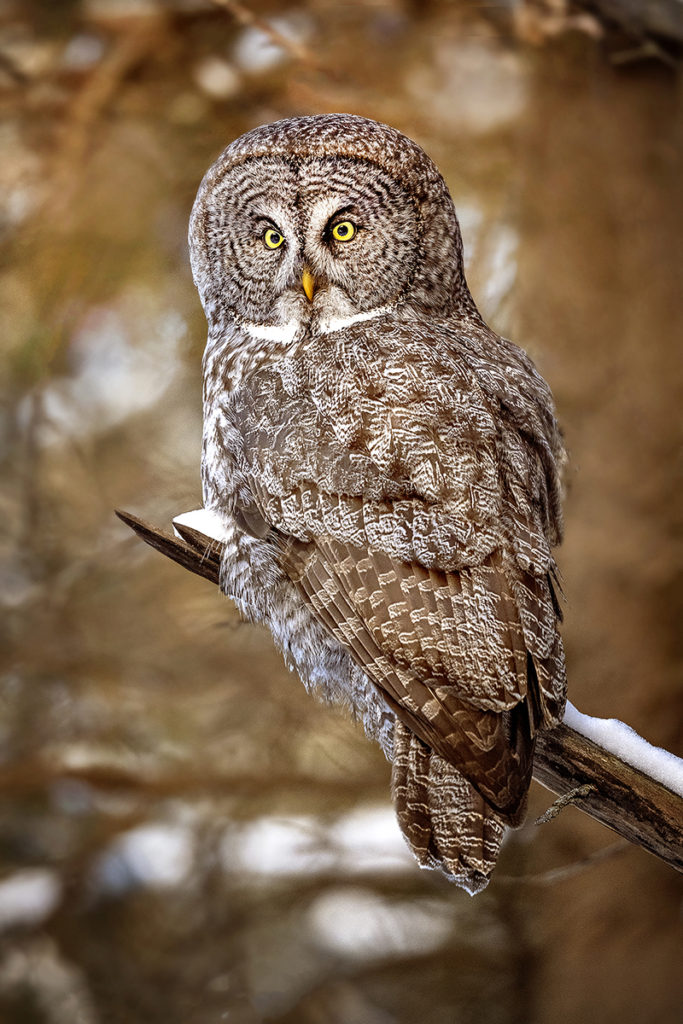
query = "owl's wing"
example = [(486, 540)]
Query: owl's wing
[(411, 510), (410, 629), (447, 650)]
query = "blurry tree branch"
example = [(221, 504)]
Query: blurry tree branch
[(10, 67), (546, 878), (245, 16), (663, 19), (90, 105), (636, 806), (655, 28), (33, 775)]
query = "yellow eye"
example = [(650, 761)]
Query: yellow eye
[(273, 238), (344, 231)]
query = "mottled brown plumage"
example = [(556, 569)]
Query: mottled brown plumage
[(386, 467)]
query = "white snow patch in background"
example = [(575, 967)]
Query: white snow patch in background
[(491, 259), (367, 839), (217, 78), (357, 923), (502, 247), (623, 741), (28, 897), (469, 84), (256, 52), (82, 52), (158, 856), (276, 847), (123, 357), (22, 179)]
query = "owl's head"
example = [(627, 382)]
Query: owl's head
[(313, 219)]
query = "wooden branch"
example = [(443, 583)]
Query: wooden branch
[(199, 554), (623, 797)]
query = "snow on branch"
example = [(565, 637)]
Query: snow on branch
[(605, 768), (625, 743)]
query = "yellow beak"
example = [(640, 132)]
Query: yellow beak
[(308, 281)]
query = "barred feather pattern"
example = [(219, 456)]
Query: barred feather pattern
[(389, 473), (444, 819)]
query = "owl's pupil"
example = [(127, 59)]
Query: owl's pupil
[(342, 230)]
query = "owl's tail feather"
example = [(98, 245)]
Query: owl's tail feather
[(446, 823)]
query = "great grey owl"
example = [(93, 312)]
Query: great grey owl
[(383, 468)]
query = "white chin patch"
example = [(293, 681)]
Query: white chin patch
[(206, 521), (330, 311), (283, 334), (338, 323)]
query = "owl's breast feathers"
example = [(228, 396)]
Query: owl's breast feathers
[(410, 482)]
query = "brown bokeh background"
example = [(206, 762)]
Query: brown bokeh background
[(184, 833)]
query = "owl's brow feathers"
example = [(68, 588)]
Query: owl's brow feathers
[(387, 474)]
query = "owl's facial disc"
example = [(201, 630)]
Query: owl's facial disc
[(301, 243)]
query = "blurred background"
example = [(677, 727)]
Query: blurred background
[(185, 836)]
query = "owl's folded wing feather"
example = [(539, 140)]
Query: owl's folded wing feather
[(408, 629), (449, 651)]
